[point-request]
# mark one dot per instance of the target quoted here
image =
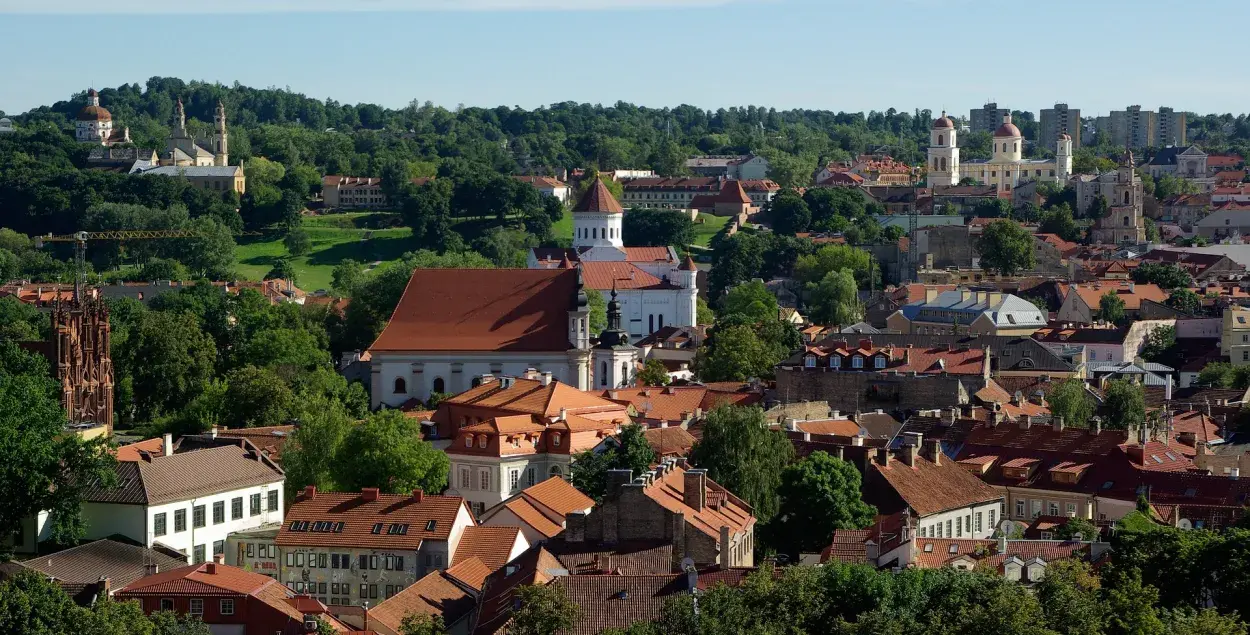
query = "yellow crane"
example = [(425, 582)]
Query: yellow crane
[(80, 245)]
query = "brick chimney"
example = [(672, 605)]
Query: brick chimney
[(1136, 454), (909, 455), (1057, 423), (883, 457), (615, 481), (1025, 422), (695, 489), (219, 558), (418, 495), (369, 494), (933, 451), (310, 492), (210, 568)]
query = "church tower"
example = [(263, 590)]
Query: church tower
[(180, 122), (579, 337), (943, 153), (614, 358), (598, 218), (221, 153), (1063, 158), (686, 277)]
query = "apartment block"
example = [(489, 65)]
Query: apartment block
[(987, 118), (1060, 120)]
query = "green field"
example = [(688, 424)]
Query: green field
[(704, 231), (335, 238)]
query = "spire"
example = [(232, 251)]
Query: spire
[(613, 336), (221, 116), (565, 263), (180, 116), (1128, 157)]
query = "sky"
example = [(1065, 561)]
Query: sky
[(1096, 55)]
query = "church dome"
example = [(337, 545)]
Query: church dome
[(94, 113), (943, 122), (1008, 129)]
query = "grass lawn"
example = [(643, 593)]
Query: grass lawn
[(335, 238), (710, 226), (564, 228)]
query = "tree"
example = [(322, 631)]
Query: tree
[(41, 467), (819, 494), (657, 228), (598, 311), (282, 269), (387, 452), (309, 456), (1069, 595), (542, 610), (297, 242), (422, 624), (1168, 276), (1224, 375), (744, 456), (1125, 404), (1006, 247), (1152, 230), (703, 312), (992, 208), (1098, 208), (1059, 221), (835, 300), (347, 277), (171, 623), (588, 473), (1160, 346), (169, 361), (1130, 607), (1111, 308), (1074, 526), (735, 353), (827, 204), (789, 213), (210, 253), (834, 257), (505, 247), (654, 374), (752, 300), (1185, 301), (1073, 402), (256, 397), (631, 451), (32, 603)]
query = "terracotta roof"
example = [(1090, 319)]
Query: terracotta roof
[(535, 566), (993, 393), (847, 546), (1065, 247), (647, 254), (669, 492), (206, 578), (731, 192), (120, 562), (929, 489), (670, 403), (947, 359), (186, 475), (604, 275), (482, 310), (688, 264), (1008, 129), (540, 181), (471, 571), (132, 451), (943, 122), (531, 397), (622, 558), (270, 439), (94, 113), (615, 601), (598, 199), (669, 441), (430, 519), (839, 427), (558, 495), (1132, 295), (529, 513), (491, 545)]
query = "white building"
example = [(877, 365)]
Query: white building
[(453, 326), (655, 288), (187, 498), (548, 185), (962, 506), (95, 124), (540, 510), (6, 126), (1005, 169), (744, 167)]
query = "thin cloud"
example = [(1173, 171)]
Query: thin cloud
[(336, 6)]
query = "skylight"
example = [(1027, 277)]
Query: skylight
[(1191, 492), (1108, 484), (1156, 458), (377, 528), (954, 549), (928, 547)]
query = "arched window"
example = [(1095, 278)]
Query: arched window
[(481, 441), (943, 164), (401, 386), (603, 373), (1126, 221), (1015, 147), (651, 323), (625, 373), (555, 439), (940, 140), (594, 233), (439, 385), (555, 472), (468, 441), (660, 321), (1004, 147), (1126, 198)]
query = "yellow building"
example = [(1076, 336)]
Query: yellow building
[(1235, 336), (214, 178)]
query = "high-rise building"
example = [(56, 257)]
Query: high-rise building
[(1139, 128), (986, 118), (1171, 127), (1058, 121)]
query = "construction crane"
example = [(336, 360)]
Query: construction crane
[(80, 245)]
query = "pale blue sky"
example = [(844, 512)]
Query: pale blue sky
[(1096, 55)]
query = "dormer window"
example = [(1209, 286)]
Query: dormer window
[(481, 441), (835, 362), (857, 362), (468, 441), (555, 439), (809, 361), (879, 362)]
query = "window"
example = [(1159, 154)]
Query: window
[(1019, 508), (364, 591), (959, 528), (401, 386), (197, 606), (529, 476), (483, 480), (466, 481), (373, 591), (167, 604), (857, 362), (363, 561), (158, 524), (555, 472), (514, 477), (236, 508), (373, 562), (481, 441), (879, 362), (299, 558), (992, 518), (219, 512), (227, 606), (1072, 510), (254, 505), (440, 385), (1037, 508), (290, 558), (1053, 509), (198, 554), (948, 528), (468, 440), (978, 527), (180, 520), (555, 439), (835, 362), (197, 516)]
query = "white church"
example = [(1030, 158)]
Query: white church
[(1005, 169), (655, 288)]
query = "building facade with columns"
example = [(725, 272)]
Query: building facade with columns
[(1005, 169)]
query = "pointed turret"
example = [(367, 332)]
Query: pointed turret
[(599, 200)]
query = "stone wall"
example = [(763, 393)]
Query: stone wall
[(849, 391)]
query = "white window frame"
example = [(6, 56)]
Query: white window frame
[(227, 606), (191, 606)]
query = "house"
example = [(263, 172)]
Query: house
[(356, 547), (1102, 344), (1235, 335), (1081, 301), (743, 167), (490, 546), (673, 503), (680, 192), (539, 510), (1186, 209), (216, 179), (1188, 162), (940, 498), (230, 600), (1224, 223), (1202, 267), (509, 434), (122, 160), (450, 594), (669, 441), (547, 185), (964, 311), (452, 326), (187, 499), (882, 169), (357, 192), (96, 570)]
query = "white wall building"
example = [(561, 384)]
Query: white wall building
[(1005, 169)]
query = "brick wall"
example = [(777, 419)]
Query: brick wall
[(849, 390)]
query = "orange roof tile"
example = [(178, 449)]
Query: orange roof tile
[(491, 545), (930, 488), (435, 594), (528, 513), (669, 492), (559, 496), (598, 199), (669, 441), (670, 403), (604, 275), (470, 571), (206, 578), (1131, 293), (131, 451), (430, 519)]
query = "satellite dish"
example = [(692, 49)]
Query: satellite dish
[(687, 564), (1006, 527)]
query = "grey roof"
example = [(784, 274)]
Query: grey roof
[(224, 171), (1007, 310), (1239, 254), (121, 562), (1236, 218), (184, 475), (1007, 352), (861, 327), (1146, 371), (1167, 156)]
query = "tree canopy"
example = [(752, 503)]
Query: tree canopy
[(1006, 247), (742, 454)]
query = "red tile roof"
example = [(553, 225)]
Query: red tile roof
[(491, 545), (930, 488), (728, 510), (847, 546), (132, 451), (472, 572), (482, 310), (670, 441), (604, 275), (435, 594), (1131, 293), (647, 254), (429, 519), (534, 567), (618, 601), (206, 578), (559, 496), (670, 403), (599, 200), (731, 192)]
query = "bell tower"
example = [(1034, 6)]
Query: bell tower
[(221, 153), (943, 153)]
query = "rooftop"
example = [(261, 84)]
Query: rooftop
[(369, 519)]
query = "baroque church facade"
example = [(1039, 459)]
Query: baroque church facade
[(1005, 169)]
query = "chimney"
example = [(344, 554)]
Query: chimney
[(615, 481), (219, 558), (151, 569), (913, 438), (724, 547), (965, 294), (807, 436), (933, 451), (1002, 544), (857, 441), (210, 568), (1096, 427), (949, 415), (663, 423), (546, 378), (1017, 398), (213, 432), (167, 445), (564, 414), (1136, 454), (369, 494), (909, 455), (310, 492), (1025, 422), (883, 457), (695, 490), (1039, 398), (1057, 422), (531, 374), (1167, 389), (866, 344), (418, 495), (930, 294), (792, 424)]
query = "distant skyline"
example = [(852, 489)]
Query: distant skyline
[(816, 54)]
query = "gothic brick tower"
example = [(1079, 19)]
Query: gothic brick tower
[(81, 362)]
